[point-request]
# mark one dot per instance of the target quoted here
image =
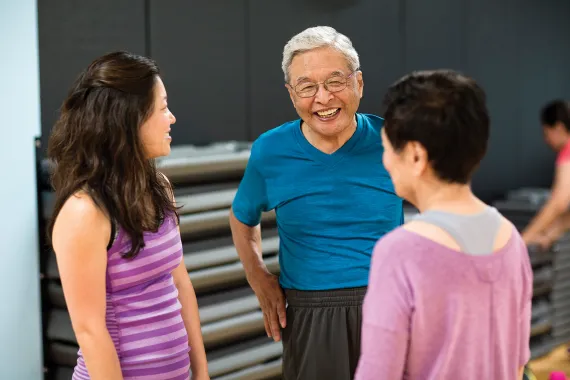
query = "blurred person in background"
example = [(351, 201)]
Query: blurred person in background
[(323, 175), (553, 219), (115, 228), (450, 292)]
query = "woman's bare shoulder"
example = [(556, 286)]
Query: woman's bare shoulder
[(80, 217)]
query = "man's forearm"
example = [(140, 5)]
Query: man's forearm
[(247, 241)]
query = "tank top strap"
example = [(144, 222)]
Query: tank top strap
[(475, 234), (113, 235)]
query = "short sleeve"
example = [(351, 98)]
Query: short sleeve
[(386, 314), (563, 156), (388, 286), (251, 197)]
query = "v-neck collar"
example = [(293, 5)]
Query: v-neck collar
[(336, 156)]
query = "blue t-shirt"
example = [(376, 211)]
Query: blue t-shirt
[(330, 208)]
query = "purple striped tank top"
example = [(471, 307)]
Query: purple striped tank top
[(143, 312)]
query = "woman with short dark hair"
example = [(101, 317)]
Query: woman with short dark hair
[(450, 292)]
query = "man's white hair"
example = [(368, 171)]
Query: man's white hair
[(317, 37)]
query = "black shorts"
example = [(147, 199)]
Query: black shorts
[(322, 337)]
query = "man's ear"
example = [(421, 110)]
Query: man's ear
[(418, 156), (360, 83)]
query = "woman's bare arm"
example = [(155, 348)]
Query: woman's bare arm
[(80, 237)]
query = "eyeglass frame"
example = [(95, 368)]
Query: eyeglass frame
[(318, 84)]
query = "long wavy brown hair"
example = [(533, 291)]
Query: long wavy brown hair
[(95, 146)]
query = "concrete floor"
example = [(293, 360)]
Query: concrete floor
[(557, 360)]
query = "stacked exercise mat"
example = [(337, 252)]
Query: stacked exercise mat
[(205, 181), (551, 269)]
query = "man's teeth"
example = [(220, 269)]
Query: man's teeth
[(327, 113)]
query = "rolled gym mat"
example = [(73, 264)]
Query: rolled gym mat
[(55, 295), (228, 309), (191, 247), (204, 168), (560, 323), (561, 306), (560, 285), (201, 188), (561, 267), (270, 370), (214, 200), (245, 358), (562, 331), (540, 327), (560, 296), (223, 255), (226, 295), (210, 223), (538, 259), (63, 354), (216, 148), (63, 373), (48, 201), (233, 329), (542, 290), (544, 275), (45, 168), (226, 275), (60, 328), (542, 349), (541, 309)]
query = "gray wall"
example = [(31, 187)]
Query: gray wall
[(221, 61), (20, 314)]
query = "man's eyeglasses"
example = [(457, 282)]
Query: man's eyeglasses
[(333, 84)]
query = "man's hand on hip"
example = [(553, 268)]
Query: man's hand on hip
[(272, 301)]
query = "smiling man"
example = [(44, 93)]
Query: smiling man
[(323, 176)]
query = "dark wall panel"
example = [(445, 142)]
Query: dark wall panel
[(200, 46), (544, 33), (492, 59), (271, 25), (378, 39), (221, 61), (434, 34), (72, 34)]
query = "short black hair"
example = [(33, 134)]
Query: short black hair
[(444, 111), (554, 112)]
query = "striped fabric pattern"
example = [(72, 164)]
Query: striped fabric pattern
[(143, 312)]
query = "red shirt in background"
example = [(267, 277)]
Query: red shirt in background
[(563, 156)]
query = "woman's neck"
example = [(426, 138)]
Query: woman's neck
[(456, 198)]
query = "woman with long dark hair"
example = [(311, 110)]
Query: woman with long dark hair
[(115, 227)]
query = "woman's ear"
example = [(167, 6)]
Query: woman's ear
[(419, 157)]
